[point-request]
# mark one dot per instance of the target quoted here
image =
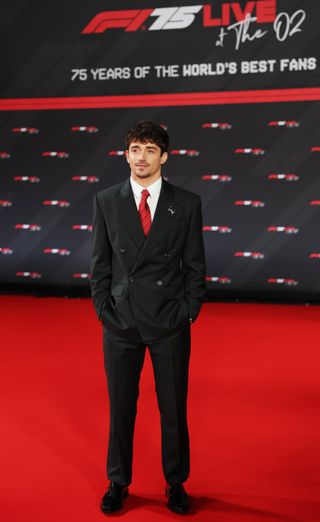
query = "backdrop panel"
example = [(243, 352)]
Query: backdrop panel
[(249, 150)]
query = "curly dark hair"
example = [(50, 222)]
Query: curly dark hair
[(147, 130)]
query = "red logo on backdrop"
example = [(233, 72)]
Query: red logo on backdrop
[(82, 227), (31, 275), (284, 177), (90, 129), (26, 130), (181, 17), (286, 230), (88, 179), (217, 125), (251, 255), (57, 251), (116, 153), (223, 229), (256, 151), (222, 178), (255, 203), (28, 226), (56, 203), (282, 281), (221, 280), (6, 251), (55, 154), (185, 152), (289, 124), (30, 179)]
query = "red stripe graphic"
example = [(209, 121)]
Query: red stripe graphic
[(161, 100)]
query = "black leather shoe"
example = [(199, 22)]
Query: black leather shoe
[(178, 499), (112, 499)]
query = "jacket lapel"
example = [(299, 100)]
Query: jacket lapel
[(163, 219), (129, 215)]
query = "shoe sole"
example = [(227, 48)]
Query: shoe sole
[(178, 512)]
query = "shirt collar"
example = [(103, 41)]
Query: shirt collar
[(154, 189)]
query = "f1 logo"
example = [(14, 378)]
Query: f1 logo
[(133, 19)]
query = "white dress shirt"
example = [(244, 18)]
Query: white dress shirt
[(154, 191)]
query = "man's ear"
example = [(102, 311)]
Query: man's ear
[(126, 155), (163, 158)]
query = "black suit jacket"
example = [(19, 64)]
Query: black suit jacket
[(147, 287)]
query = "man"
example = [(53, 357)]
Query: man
[(147, 281)]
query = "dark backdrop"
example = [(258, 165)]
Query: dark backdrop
[(253, 155)]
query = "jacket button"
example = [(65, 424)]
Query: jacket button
[(122, 251), (166, 254), (131, 279), (159, 283)]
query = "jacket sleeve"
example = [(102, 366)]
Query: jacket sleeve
[(193, 263), (101, 260)]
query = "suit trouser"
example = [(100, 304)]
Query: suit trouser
[(123, 364)]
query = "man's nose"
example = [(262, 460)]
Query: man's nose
[(143, 154)]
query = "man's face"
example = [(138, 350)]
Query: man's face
[(145, 160)]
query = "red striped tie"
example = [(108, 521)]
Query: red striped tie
[(144, 211)]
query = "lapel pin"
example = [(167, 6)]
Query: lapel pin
[(171, 210)]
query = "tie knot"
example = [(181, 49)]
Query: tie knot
[(145, 194)]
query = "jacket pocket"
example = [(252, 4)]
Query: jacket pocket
[(118, 289), (173, 292)]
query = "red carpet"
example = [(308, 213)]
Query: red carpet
[(253, 414)]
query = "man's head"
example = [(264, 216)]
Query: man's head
[(145, 131), (146, 151)]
